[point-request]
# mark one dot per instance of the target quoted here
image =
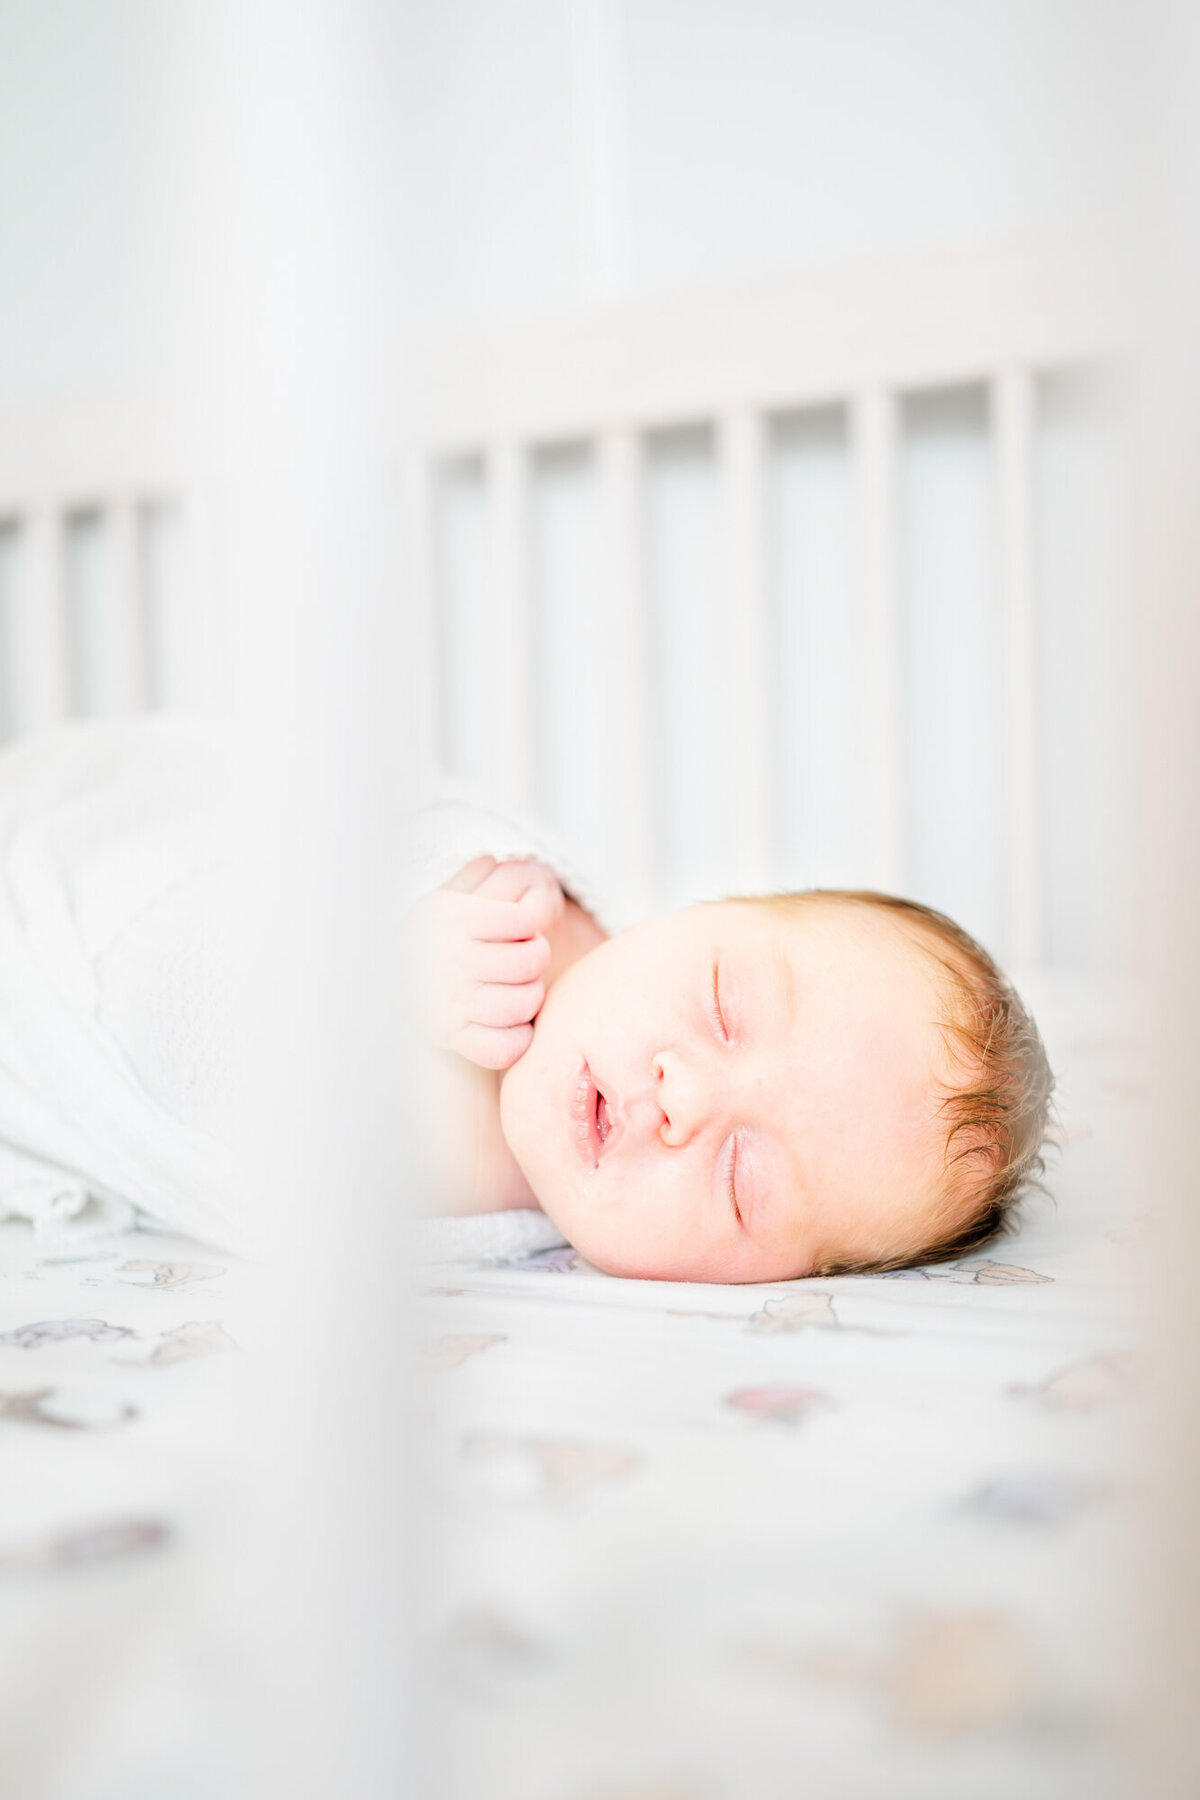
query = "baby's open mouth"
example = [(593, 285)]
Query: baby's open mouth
[(591, 1122)]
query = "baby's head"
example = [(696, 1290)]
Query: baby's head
[(761, 1089)]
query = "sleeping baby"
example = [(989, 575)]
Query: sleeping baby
[(748, 1090), (745, 1091)]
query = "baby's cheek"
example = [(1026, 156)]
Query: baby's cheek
[(526, 1114)]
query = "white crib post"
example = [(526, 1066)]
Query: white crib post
[(10, 544), (508, 502), (620, 468), (740, 450), (124, 647), (419, 477), (874, 432), (40, 626), (195, 630), (1013, 411)]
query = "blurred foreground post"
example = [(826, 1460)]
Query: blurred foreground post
[(1169, 581), (286, 328)]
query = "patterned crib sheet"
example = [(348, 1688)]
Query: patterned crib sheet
[(856, 1537)]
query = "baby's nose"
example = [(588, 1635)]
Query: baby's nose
[(682, 1093)]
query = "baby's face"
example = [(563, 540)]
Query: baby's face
[(737, 1093)]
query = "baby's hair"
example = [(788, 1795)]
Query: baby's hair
[(999, 1119)]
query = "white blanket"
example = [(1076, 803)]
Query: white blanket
[(119, 896), (112, 1020)]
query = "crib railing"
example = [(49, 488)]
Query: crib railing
[(110, 598), (1004, 318), (102, 602)]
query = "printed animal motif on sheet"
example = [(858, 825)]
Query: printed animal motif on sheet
[(782, 1405), (1032, 1499), (894, 1275), (985, 1273), (105, 1542), (60, 1331), (48, 1406), (994, 1274), (794, 1312), (198, 1337), (941, 1675), (1082, 1385), (444, 1354), (559, 1468), (75, 1259), (169, 1274), (954, 1673)]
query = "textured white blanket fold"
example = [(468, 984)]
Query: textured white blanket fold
[(497, 1237), (119, 901), (112, 1023)]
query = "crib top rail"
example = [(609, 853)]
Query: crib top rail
[(923, 320), (76, 455)]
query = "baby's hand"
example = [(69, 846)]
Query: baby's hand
[(480, 948)]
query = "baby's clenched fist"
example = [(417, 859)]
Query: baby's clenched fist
[(479, 951)]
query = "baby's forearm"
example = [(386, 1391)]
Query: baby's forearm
[(470, 1166)]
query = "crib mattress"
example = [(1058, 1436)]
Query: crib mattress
[(864, 1536)]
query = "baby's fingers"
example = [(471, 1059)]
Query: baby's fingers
[(472, 876), (504, 1005), (488, 921), (530, 883), (519, 962), (495, 1048)]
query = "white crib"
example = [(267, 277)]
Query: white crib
[(672, 592)]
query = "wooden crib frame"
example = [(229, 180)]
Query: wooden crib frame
[(1002, 314)]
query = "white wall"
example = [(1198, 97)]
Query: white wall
[(580, 150), (74, 163), (564, 153), (569, 151)]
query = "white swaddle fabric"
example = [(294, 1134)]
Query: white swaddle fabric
[(114, 1024), (455, 827), (475, 1238), (119, 901)]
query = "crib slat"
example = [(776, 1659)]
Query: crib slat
[(740, 439), (1013, 413), (10, 552), (124, 646), (874, 437), (508, 502), (420, 499), (41, 686), (195, 657), (620, 463)]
